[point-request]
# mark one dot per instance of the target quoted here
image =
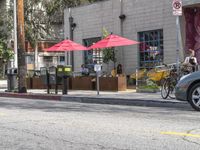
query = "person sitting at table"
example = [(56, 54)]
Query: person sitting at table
[(119, 69), (84, 70)]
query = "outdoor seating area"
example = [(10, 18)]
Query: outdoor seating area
[(89, 78), (82, 83)]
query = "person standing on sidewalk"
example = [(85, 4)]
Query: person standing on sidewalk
[(191, 60)]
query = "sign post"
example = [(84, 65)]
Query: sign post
[(177, 11), (97, 68)]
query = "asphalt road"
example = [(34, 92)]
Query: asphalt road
[(45, 125)]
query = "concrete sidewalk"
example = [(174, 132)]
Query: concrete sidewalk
[(129, 97)]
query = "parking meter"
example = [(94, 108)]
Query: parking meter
[(52, 75), (67, 71), (59, 74), (98, 69), (45, 77)]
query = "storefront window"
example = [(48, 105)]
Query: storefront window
[(48, 59), (30, 59), (92, 57), (62, 59), (151, 48)]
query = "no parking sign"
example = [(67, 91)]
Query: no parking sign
[(177, 7)]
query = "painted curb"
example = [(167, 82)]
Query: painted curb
[(31, 96)]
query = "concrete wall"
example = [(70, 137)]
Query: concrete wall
[(141, 15)]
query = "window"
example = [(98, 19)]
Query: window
[(48, 59), (30, 59), (62, 59), (151, 48), (92, 57)]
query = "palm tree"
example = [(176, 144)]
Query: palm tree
[(22, 70)]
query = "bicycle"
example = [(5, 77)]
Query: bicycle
[(169, 83)]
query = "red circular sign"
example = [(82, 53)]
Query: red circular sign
[(177, 5)]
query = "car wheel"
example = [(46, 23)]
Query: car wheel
[(194, 97)]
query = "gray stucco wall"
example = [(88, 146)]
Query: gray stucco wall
[(141, 15)]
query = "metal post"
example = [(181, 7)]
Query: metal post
[(177, 43), (97, 73), (15, 35), (56, 86), (48, 85), (71, 37), (65, 86), (122, 33), (136, 78)]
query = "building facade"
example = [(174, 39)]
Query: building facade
[(149, 22)]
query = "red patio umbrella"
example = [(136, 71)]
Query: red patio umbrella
[(66, 45), (113, 41)]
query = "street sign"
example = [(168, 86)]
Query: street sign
[(177, 7), (97, 68)]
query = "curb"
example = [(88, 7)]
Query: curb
[(31, 96), (120, 101), (99, 100)]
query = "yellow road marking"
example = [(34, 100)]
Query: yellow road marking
[(181, 134), (2, 114)]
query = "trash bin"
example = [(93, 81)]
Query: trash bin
[(11, 79)]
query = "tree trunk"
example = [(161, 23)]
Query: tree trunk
[(22, 68)]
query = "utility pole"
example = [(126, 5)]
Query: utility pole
[(15, 34), (22, 70)]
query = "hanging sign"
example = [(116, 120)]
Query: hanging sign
[(177, 7)]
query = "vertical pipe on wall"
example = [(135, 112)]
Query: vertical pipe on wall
[(122, 32), (67, 54), (71, 37)]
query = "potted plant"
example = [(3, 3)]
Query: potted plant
[(109, 53)]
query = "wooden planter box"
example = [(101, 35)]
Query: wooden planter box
[(82, 83), (29, 83), (37, 83), (112, 83)]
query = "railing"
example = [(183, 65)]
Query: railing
[(152, 78)]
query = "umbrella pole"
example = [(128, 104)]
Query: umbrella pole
[(114, 60)]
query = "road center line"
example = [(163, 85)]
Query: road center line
[(181, 134)]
